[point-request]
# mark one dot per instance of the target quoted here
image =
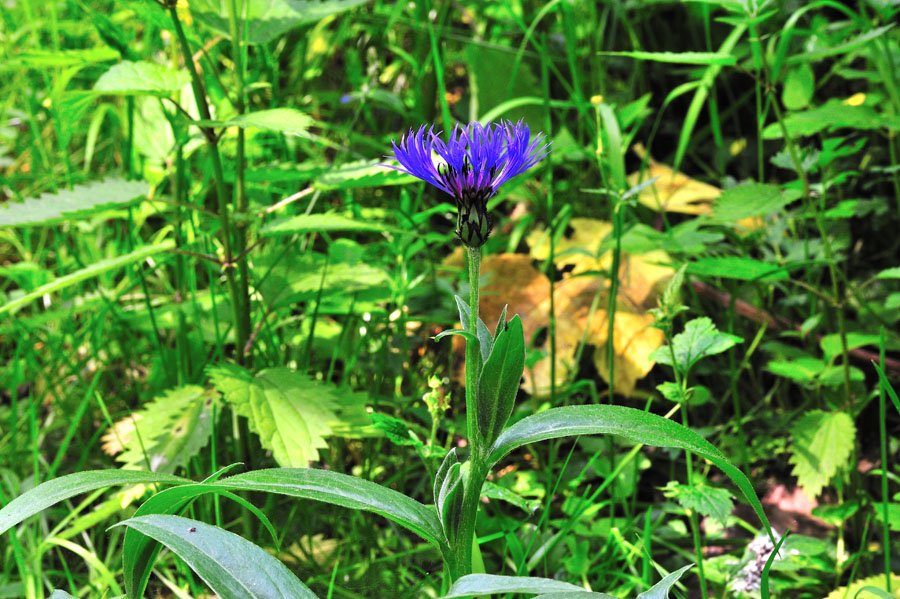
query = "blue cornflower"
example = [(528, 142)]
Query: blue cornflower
[(476, 161)]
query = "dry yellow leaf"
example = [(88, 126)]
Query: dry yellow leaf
[(673, 191), (577, 250)]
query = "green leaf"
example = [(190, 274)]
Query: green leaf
[(495, 491), (89, 272), (310, 223), (167, 432), (679, 57), (139, 551), (71, 204), (843, 48), (822, 443), (395, 430), (886, 385), (889, 273), (58, 594), (43, 59), (737, 267), (290, 412), (661, 589), (141, 78), (362, 173), (576, 595), (834, 114), (231, 566), (59, 489), (893, 514), (289, 121), (489, 584), (448, 500), (703, 499), (499, 381), (267, 19), (342, 490), (832, 347), (634, 425), (699, 339), (748, 200), (799, 85)]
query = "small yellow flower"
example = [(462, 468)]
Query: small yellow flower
[(596, 99), (857, 99)]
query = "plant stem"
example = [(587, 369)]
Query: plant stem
[(240, 307), (473, 353)]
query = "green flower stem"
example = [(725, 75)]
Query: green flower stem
[(473, 352), (240, 302)]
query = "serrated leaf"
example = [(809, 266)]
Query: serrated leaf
[(699, 339), (141, 78), (70, 204), (834, 114), (289, 121), (265, 20), (749, 200), (363, 173), (472, 585), (310, 223), (736, 267), (703, 499), (233, 567), (878, 581), (289, 411), (59, 489), (822, 443), (166, 433), (89, 272), (395, 430)]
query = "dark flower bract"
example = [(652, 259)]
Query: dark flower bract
[(473, 164)]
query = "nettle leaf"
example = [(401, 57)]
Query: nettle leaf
[(699, 339), (141, 78), (70, 204), (361, 173), (313, 223), (289, 121), (233, 567), (822, 443), (267, 19), (166, 433), (703, 499), (291, 413), (752, 199), (395, 430)]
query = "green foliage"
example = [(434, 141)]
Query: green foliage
[(168, 432), (699, 339), (822, 444), (291, 413), (141, 78), (69, 205), (703, 499), (499, 380)]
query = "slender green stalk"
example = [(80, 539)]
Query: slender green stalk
[(473, 354), (240, 304), (882, 431)]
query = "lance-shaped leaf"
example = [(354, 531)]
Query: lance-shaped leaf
[(661, 589), (59, 489), (70, 204), (634, 425), (233, 567), (449, 501), (500, 379), (343, 490), (489, 584)]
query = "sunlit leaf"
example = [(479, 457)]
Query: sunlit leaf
[(134, 78), (822, 443), (70, 204), (699, 339), (489, 584)]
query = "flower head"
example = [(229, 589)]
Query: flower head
[(474, 163)]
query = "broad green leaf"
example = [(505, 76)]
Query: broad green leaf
[(834, 114), (499, 380), (576, 595), (58, 594), (752, 199), (267, 19), (89, 272), (889, 273), (679, 57), (231, 566), (822, 443), (141, 78), (832, 347), (289, 121), (893, 514), (70, 204), (472, 585), (495, 491), (878, 581), (290, 412), (313, 223), (59, 489), (448, 501), (703, 499), (799, 85), (803, 370), (166, 433), (736, 267), (699, 339), (634, 425), (661, 589), (362, 173), (342, 490), (139, 551)]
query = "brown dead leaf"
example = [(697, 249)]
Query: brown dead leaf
[(119, 433)]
